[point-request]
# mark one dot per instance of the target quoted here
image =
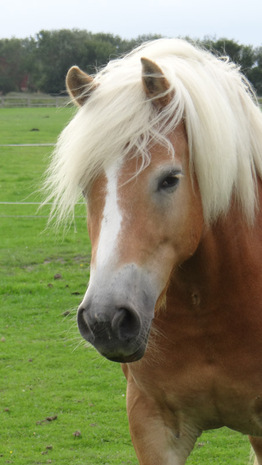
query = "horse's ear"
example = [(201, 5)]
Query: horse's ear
[(155, 84), (79, 85)]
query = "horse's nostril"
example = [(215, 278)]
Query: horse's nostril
[(83, 325), (126, 324)]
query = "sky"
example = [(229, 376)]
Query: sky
[(232, 19)]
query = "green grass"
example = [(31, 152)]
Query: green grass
[(32, 126), (46, 370)]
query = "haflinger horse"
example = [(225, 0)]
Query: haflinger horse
[(166, 148)]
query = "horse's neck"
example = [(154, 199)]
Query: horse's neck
[(226, 265)]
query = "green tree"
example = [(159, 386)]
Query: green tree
[(249, 59), (243, 55), (11, 64), (254, 74), (58, 50), (42, 62)]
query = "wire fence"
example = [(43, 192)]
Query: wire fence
[(22, 203), (35, 215), (31, 101), (39, 206), (27, 145)]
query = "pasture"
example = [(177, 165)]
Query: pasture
[(60, 402)]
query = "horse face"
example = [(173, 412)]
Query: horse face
[(142, 226)]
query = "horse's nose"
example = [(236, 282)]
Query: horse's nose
[(120, 324), (116, 313)]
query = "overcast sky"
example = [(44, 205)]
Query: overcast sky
[(240, 20)]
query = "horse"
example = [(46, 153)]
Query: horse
[(166, 149)]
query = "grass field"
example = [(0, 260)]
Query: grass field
[(60, 402)]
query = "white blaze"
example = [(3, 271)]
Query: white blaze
[(111, 222)]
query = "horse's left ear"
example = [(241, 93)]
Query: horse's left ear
[(155, 84), (79, 85)]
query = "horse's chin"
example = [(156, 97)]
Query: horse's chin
[(125, 358), (122, 358)]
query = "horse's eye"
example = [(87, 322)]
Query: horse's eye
[(169, 182)]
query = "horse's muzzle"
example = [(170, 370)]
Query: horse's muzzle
[(115, 315)]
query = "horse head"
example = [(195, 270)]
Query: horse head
[(143, 221)]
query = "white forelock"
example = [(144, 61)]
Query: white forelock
[(222, 119)]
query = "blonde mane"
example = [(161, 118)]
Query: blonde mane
[(222, 119)]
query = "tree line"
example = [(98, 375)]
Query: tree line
[(40, 63)]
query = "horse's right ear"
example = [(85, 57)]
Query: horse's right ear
[(156, 86), (79, 85)]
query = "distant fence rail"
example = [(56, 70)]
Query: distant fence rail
[(33, 101), (51, 144)]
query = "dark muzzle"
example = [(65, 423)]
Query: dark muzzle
[(115, 315)]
